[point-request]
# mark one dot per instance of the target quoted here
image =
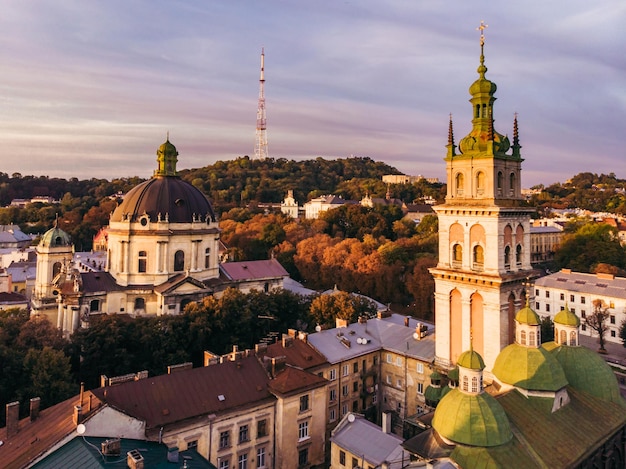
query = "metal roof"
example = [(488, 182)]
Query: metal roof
[(592, 284), (251, 270), (363, 438)]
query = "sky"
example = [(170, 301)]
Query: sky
[(90, 89)]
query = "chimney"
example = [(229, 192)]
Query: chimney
[(34, 408), (292, 333), (78, 415), (13, 418), (341, 323), (82, 392), (406, 321), (134, 459), (362, 319), (278, 363), (260, 348), (287, 340), (172, 454), (386, 422)]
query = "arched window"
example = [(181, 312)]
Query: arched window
[(142, 260), (523, 337), (480, 182), (518, 254), (478, 257), (572, 338), (179, 261), (465, 383), (500, 182), (459, 183), (457, 253), (474, 384), (477, 112), (512, 183), (531, 338), (56, 269), (563, 340), (507, 256), (207, 258)]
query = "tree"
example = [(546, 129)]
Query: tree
[(325, 309), (597, 321), (622, 332), (547, 329)]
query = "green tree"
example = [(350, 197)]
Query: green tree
[(547, 329), (49, 376), (590, 245), (597, 322)]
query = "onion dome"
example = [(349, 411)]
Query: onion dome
[(587, 371), (529, 368), (55, 237), (472, 419), (166, 196), (567, 318), (471, 360)]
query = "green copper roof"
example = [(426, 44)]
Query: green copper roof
[(471, 419), (567, 318), (526, 315), (471, 360), (167, 158), (55, 237), (529, 368), (432, 394), (453, 374), (587, 371), (435, 375)]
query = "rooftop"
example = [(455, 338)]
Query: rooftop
[(593, 284)]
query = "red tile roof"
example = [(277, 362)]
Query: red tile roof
[(292, 379), (250, 270), (166, 399), (35, 437), (297, 352)]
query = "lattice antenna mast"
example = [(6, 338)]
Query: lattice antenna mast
[(260, 147)]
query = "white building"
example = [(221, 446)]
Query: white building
[(578, 291), (313, 207)]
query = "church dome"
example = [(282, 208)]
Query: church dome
[(587, 371), (54, 238), (471, 360), (527, 315), (472, 419), (165, 196), (567, 318), (529, 368)]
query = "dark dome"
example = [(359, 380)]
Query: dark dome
[(173, 199)]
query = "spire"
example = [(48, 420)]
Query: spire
[(516, 146), (481, 68), (451, 146)]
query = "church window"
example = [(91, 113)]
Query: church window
[(142, 261), (56, 269), (512, 183), (480, 182), (523, 337), (207, 258), (459, 183), (474, 384), (507, 257), (531, 338), (563, 338), (477, 112), (457, 253), (500, 181), (479, 257), (572, 338), (465, 383), (518, 254), (179, 261)]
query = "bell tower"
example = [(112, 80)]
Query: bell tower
[(484, 235)]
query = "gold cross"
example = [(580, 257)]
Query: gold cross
[(482, 28)]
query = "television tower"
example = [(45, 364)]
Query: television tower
[(260, 147)]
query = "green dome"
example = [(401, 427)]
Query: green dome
[(435, 375), (550, 346), (526, 315), (567, 318), (453, 374), (587, 371), (54, 238), (472, 419), (529, 368), (471, 360), (432, 394)]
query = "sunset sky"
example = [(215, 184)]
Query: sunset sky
[(91, 88)]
